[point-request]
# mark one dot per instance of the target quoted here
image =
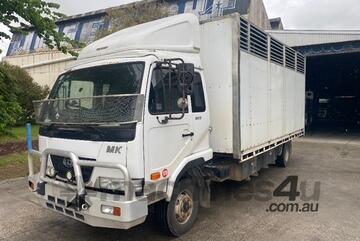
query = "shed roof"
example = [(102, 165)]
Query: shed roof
[(297, 38)]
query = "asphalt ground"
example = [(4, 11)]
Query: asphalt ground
[(328, 167)]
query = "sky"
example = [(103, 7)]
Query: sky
[(296, 14), (316, 14), (3, 43)]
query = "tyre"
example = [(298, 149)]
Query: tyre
[(284, 158), (308, 121), (178, 216)]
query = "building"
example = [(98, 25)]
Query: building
[(332, 76), (83, 27), (276, 24), (44, 65)]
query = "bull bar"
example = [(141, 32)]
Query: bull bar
[(77, 164), (135, 208)]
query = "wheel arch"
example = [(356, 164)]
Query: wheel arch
[(175, 178), (187, 164)]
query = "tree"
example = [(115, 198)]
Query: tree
[(136, 13), (9, 107), (24, 16), (25, 91), (17, 92)]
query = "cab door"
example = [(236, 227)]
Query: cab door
[(167, 144)]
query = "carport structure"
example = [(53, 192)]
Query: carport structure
[(333, 76)]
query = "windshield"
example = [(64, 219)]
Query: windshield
[(115, 79), (97, 95)]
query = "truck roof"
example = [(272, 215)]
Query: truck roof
[(178, 33)]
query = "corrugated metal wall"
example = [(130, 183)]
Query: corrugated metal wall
[(305, 38)]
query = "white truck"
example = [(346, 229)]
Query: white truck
[(149, 116)]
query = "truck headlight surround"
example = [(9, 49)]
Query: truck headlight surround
[(51, 172), (117, 184)]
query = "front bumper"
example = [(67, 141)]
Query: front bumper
[(85, 205)]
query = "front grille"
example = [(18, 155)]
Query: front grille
[(62, 165)]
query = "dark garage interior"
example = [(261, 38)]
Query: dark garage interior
[(333, 92)]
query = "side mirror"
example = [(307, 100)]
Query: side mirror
[(186, 77)]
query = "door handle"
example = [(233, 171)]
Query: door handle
[(191, 134)]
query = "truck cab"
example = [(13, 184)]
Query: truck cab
[(122, 123)]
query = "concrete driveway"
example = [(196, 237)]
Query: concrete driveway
[(234, 215)]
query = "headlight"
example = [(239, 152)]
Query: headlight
[(111, 183), (116, 184)]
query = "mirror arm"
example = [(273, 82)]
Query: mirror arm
[(169, 63)]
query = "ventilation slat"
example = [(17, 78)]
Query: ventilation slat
[(300, 63), (244, 35), (255, 41), (258, 42), (290, 58), (276, 52)]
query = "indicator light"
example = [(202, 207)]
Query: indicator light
[(155, 176)]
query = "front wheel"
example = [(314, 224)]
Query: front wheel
[(178, 216)]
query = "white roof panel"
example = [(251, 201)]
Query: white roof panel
[(177, 33)]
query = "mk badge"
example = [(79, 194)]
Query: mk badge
[(114, 149)]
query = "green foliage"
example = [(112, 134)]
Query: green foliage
[(15, 158), (137, 13), (26, 91), (18, 134), (15, 165), (9, 112), (10, 109), (23, 16), (17, 91)]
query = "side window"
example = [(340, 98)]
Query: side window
[(76, 90), (63, 92), (81, 89), (159, 92), (197, 98)]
